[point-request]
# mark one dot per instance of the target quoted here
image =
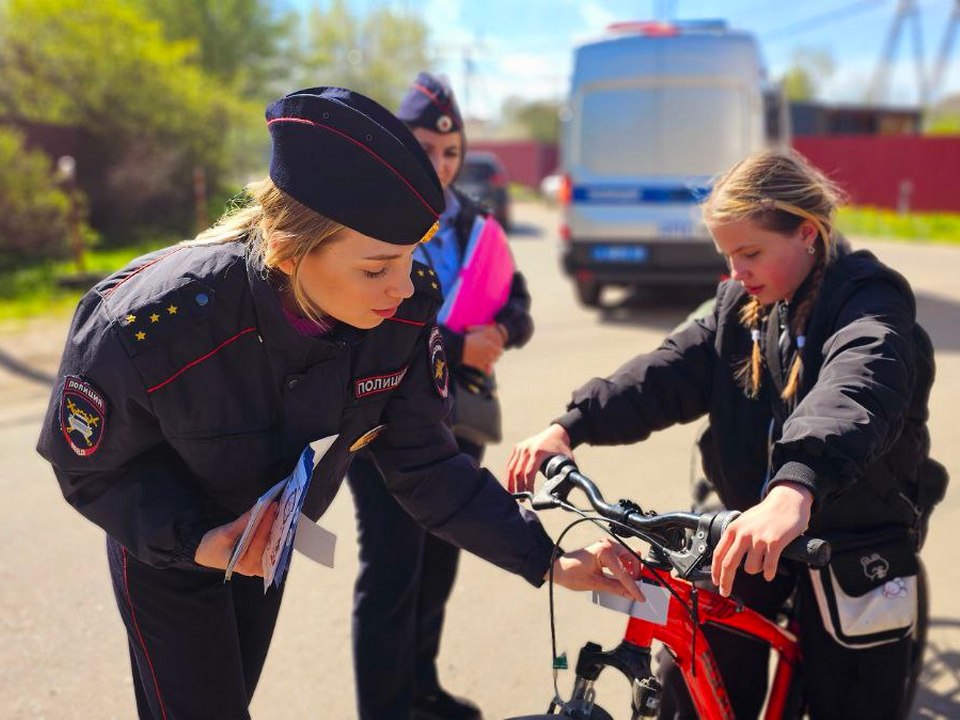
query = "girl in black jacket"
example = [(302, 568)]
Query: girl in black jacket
[(815, 377)]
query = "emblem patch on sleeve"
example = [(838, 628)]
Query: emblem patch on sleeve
[(83, 415), (439, 371)]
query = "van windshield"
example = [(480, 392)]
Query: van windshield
[(694, 130)]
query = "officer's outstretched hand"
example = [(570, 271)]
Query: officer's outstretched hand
[(217, 545), (606, 566), (528, 455)]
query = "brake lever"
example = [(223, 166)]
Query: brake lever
[(553, 493)]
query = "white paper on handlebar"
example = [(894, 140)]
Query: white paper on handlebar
[(653, 609)]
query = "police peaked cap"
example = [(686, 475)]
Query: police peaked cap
[(430, 104), (349, 159)]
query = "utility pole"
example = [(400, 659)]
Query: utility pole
[(907, 10), (943, 57)]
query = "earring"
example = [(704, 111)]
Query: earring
[(811, 250)]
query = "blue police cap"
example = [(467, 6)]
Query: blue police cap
[(430, 104), (346, 157)]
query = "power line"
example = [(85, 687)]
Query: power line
[(818, 21)]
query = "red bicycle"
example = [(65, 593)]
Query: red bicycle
[(675, 609)]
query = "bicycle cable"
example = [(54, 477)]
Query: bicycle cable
[(604, 524)]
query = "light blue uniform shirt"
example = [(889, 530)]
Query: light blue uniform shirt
[(442, 252)]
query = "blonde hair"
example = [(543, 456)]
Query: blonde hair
[(278, 229), (778, 191)]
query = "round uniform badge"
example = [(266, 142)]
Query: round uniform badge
[(444, 123), (83, 415), (368, 437), (439, 370)]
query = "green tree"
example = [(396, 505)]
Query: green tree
[(150, 111), (944, 117), (242, 43), (33, 210), (808, 70), (537, 119), (377, 54)]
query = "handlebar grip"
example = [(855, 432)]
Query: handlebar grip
[(810, 550), (554, 464)]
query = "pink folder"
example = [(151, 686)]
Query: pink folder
[(483, 283)]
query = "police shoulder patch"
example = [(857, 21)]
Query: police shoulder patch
[(425, 280), (83, 415), (439, 370)]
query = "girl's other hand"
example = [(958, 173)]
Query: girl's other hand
[(528, 455)]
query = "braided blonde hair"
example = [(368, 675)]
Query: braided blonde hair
[(278, 229), (778, 191)]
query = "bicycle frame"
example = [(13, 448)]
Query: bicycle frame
[(700, 672)]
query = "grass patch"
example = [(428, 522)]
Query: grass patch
[(40, 290), (877, 222)]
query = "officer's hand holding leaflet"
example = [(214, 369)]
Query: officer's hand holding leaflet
[(217, 545)]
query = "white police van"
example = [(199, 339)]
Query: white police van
[(655, 111)]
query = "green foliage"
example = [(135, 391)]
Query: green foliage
[(537, 120), (878, 222), (378, 54), (944, 117), (34, 212), (36, 290), (239, 42), (148, 111), (809, 69), (106, 67)]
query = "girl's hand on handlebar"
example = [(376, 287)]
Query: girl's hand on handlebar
[(759, 535), (528, 455), (584, 570)]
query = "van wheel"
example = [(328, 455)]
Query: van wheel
[(588, 293)]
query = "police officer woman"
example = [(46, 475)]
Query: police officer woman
[(193, 379), (406, 574), (815, 376)]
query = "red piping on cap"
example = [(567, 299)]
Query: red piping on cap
[(433, 98)]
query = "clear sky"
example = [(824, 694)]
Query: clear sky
[(523, 47)]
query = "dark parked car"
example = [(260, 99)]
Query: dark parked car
[(484, 178)]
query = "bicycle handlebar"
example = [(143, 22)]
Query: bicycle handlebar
[(563, 476)]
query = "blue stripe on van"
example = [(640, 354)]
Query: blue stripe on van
[(635, 194)]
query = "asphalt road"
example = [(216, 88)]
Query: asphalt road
[(62, 648)]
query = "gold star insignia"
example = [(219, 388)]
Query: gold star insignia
[(141, 335), (420, 273), (172, 309), (433, 285), (130, 319), (432, 273), (155, 318)]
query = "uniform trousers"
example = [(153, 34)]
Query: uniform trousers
[(405, 578), (197, 644), (838, 683)]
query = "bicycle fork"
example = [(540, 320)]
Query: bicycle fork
[(632, 661)]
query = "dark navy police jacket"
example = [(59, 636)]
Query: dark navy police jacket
[(184, 394)]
